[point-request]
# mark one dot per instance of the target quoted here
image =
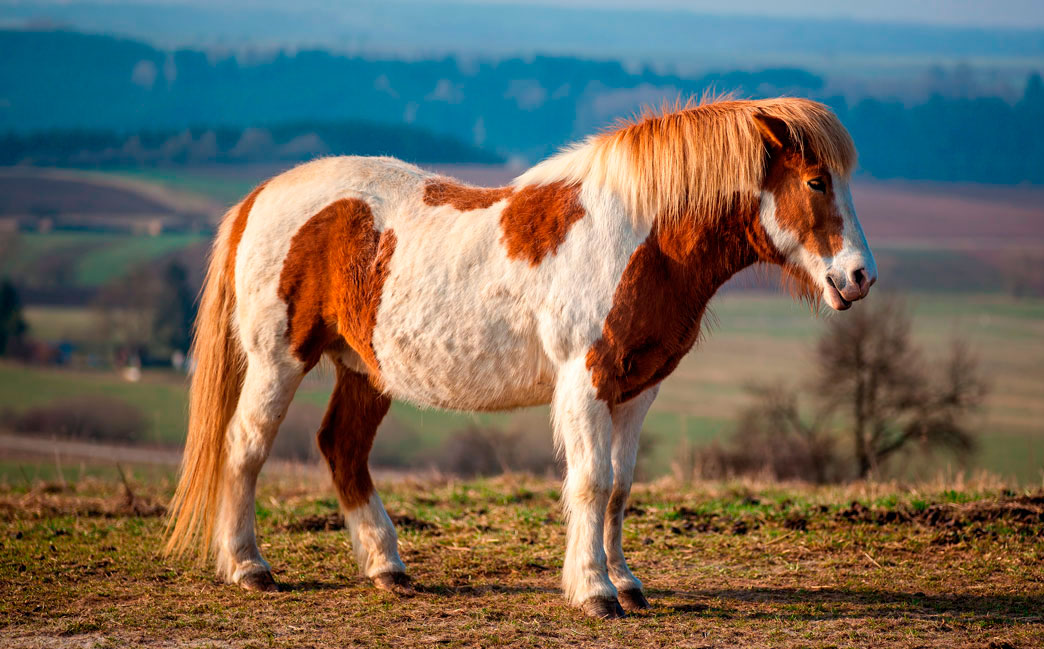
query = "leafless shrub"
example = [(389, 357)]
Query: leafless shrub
[(772, 439), (86, 417), (478, 450)]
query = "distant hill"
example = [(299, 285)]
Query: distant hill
[(55, 79), (523, 108)]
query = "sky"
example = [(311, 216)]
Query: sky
[(984, 13), (992, 13)]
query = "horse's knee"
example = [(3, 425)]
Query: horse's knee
[(246, 455), (589, 488)]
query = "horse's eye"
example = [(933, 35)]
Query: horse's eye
[(817, 185)]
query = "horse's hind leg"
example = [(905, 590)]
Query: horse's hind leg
[(345, 438), (627, 426), (268, 387)]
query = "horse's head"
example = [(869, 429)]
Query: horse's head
[(807, 213)]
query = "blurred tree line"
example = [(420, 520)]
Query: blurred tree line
[(290, 142), (132, 103), (982, 139)]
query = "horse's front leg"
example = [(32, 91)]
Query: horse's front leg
[(583, 426), (627, 427)]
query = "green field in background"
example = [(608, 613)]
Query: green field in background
[(86, 259), (755, 338)]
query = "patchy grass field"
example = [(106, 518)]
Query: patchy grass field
[(724, 565)]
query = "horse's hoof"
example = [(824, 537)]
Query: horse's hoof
[(633, 599), (607, 608), (394, 582), (261, 582)]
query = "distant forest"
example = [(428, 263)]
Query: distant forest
[(109, 97), (290, 142)]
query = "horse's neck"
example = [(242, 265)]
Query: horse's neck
[(702, 254)]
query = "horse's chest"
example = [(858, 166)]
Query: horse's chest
[(654, 322)]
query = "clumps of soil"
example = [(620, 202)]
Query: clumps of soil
[(335, 521), (316, 523), (1025, 513), (797, 522), (710, 523), (407, 522)]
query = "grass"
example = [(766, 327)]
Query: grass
[(744, 564), (88, 259), (161, 396)]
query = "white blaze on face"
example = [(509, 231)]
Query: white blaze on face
[(852, 271), (855, 252)]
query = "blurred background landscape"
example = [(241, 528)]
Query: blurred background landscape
[(128, 127)]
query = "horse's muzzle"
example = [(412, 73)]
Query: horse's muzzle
[(842, 287)]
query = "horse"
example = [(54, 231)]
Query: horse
[(581, 285)]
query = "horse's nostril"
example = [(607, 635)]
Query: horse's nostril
[(859, 278)]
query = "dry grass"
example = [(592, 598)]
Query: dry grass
[(741, 564)]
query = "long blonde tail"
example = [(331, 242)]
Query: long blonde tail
[(216, 384)]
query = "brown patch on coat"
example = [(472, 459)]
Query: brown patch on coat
[(537, 220), (235, 234), (332, 281), (663, 293), (346, 435), (439, 191), (810, 215)]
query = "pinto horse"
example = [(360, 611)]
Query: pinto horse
[(581, 285)]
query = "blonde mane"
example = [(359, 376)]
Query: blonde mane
[(695, 158)]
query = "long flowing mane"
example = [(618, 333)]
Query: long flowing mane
[(697, 157)]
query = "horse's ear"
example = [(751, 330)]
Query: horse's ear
[(774, 132)]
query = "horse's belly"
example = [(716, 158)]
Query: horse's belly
[(464, 346), (462, 367)]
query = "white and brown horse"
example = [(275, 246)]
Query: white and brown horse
[(581, 285)]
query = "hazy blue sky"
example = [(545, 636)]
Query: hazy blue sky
[(1011, 13)]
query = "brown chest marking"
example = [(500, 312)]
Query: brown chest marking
[(537, 220), (462, 197), (332, 281), (659, 303)]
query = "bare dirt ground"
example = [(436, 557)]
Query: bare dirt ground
[(738, 564)]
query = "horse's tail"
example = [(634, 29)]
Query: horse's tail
[(216, 383)]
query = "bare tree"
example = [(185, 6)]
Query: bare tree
[(870, 382), (148, 310), (869, 369), (127, 310), (12, 323)]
